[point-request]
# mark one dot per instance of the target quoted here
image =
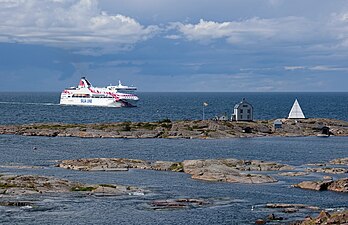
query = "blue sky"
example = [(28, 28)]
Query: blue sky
[(173, 45)]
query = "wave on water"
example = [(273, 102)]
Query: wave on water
[(28, 103)]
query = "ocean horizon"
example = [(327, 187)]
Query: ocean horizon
[(32, 107)]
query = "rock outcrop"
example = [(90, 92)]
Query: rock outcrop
[(332, 170), (325, 218), (187, 203), (16, 203), (231, 170), (284, 212), (290, 206), (340, 161), (118, 164), (226, 170), (340, 185), (29, 184), (182, 203), (179, 129), (294, 174)]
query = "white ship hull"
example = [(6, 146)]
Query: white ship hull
[(87, 95), (105, 102)]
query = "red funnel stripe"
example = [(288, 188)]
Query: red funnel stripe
[(81, 83)]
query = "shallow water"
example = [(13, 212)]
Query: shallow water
[(234, 201)]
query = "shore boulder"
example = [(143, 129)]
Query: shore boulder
[(340, 185)]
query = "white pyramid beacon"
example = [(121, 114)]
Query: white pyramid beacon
[(296, 111), (110, 96)]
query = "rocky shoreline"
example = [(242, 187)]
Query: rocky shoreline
[(181, 129), (325, 218)]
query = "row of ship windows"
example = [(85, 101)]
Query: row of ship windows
[(88, 96)]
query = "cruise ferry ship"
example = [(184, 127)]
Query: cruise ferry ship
[(110, 96)]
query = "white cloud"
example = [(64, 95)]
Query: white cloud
[(327, 68), (292, 68), (326, 33), (173, 37), (316, 68), (72, 24), (206, 30), (254, 30), (339, 29)]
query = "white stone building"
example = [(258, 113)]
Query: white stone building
[(243, 111)]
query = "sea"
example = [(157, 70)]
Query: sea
[(19, 108), (230, 203)]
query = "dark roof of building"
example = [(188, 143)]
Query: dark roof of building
[(242, 102), (278, 122)]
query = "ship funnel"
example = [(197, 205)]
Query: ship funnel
[(84, 83)]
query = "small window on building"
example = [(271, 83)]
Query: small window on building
[(245, 106), (248, 117), (241, 111), (249, 110), (241, 116)]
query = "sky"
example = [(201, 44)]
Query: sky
[(175, 45)]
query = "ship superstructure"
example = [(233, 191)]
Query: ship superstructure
[(109, 96)]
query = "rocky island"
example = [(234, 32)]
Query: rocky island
[(223, 170), (181, 129), (15, 185)]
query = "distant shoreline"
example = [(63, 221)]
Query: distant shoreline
[(188, 129), (299, 92)]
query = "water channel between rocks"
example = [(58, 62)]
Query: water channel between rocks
[(232, 203)]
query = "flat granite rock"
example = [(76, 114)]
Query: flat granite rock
[(340, 185), (14, 185), (335, 170), (293, 174), (114, 164), (225, 170), (288, 206)]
